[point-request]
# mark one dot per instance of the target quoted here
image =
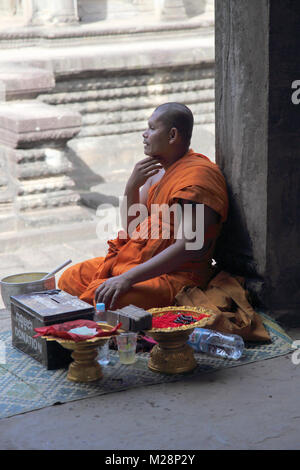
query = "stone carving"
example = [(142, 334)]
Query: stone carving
[(21, 82), (121, 103), (92, 10), (173, 10), (32, 118), (54, 11), (33, 136)]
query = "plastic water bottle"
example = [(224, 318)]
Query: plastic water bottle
[(100, 313), (103, 357), (216, 344)]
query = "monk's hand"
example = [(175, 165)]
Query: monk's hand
[(143, 170), (110, 290)]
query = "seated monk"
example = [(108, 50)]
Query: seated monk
[(149, 263)]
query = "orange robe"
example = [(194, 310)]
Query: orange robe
[(193, 177)]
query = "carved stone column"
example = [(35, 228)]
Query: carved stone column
[(196, 7), (210, 6), (121, 9), (10, 7), (144, 6), (92, 10), (54, 11), (173, 10)]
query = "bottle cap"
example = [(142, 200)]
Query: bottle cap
[(100, 307)]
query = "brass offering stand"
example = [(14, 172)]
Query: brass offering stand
[(172, 355), (84, 368)]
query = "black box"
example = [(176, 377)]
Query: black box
[(40, 309)]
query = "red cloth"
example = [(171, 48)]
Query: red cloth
[(61, 330)]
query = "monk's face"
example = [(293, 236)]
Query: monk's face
[(156, 137)]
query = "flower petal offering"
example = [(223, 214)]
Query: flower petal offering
[(172, 318)]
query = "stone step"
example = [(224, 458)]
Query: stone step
[(173, 10), (101, 32), (40, 169), (47, 200), (21, 82), (139, 103), (133, 80), (27, 156), (203, 87), (25, 122), (45, 185)]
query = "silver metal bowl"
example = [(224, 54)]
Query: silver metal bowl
[(24, 283)]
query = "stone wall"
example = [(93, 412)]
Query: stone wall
[(79, 99), (119, 103), (257, 147)]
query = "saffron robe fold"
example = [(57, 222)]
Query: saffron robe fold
[(193, 177)]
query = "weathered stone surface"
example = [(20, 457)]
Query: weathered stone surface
[(257, 146), (173, 10), (194, 7), (92, 10), (25, 122), (164, 51), (28, 116), (100, 33), (95, 10), (241, 147), (25, 82), (54, 11)]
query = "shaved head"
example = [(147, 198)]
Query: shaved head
[(179, 116)]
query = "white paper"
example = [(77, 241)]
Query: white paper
[(84, 330)]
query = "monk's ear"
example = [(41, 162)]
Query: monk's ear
[(173, 135)]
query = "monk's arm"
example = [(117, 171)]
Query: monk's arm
[(180, 252), (136, 190)]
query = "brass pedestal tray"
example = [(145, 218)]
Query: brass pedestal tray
[(84, 368), (172, 355)]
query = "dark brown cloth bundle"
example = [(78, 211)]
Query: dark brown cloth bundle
[(226, 296)]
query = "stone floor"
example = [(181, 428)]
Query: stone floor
[(255, 406), (47, 257)]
